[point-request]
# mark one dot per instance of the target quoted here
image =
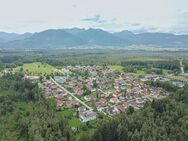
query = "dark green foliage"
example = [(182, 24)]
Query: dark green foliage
[(25, 115), (132, 66)]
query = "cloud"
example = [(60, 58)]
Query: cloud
[(112, 15), (135, 24), (181, 24), (74, 5), (97, 19), (145, 29)]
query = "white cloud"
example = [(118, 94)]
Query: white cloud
[(111, 15)]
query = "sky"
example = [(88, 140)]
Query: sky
[(137, 16)]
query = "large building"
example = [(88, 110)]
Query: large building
[(87, 116)]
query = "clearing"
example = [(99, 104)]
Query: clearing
[(36, 68)]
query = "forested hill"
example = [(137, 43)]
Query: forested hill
[(75, 37), (162, 120), (26, 116)]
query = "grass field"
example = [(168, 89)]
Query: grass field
[(139, 73), (67, 113), (180, 78), (4, 93), (74, 122), (36, 68), (116, 68)]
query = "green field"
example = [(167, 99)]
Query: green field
[(74, 122), (139, 73), (36, 68), (179, 78), (4, 93), (116, 68)]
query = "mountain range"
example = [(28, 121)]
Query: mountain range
[(63, 38)]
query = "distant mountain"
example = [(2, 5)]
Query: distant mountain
[(97, 37), (157, 39), (62, 38), (48, 38), (127, 36), (163, 39), (7, 37)]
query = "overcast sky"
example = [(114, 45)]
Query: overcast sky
[(111, 15)]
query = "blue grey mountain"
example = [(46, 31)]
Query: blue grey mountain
[(62, 38)]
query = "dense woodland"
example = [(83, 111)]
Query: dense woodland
[(159, 59), (26, 116)]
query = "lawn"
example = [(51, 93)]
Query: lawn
[(139, 73), (4, 93), (74, 122), (117, 68), (179, 78), (67, 113), (36, 68)]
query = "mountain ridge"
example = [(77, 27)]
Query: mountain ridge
[(62, 38)]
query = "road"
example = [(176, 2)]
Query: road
[(181, 67), (71, 94), (102, 92)]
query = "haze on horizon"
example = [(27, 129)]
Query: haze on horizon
[(115, 15)]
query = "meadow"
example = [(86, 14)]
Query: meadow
[(36, 68)]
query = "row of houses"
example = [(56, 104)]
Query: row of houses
[(64, 100)]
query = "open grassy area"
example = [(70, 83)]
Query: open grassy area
[(67, 113), (36, 68), (74, 122), (4, 93), (179, 78), (116, 68), (139, 73)]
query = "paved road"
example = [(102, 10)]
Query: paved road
[(61, 87), (102, 92), (181, 67)]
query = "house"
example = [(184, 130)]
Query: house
[(125, 105), (82, 109), (101, 103), (31, 77), (116, 94), (60, 79), (121, 108), (68, 105), (184, 75), (88, 97), (87, 116), (114, 100), (59, 97), (75, 102), (139, 100), (60, 103), (178, 84), (113, 110)]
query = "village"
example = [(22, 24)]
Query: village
[(89, 90)]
